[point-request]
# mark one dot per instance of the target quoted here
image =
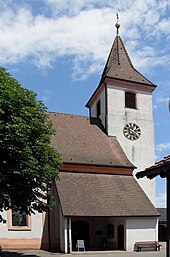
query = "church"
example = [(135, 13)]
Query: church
[(97, 198)]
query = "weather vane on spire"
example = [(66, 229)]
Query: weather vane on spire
[(117, 25)]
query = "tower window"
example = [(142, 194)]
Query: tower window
[(98, 109), (130, 100)]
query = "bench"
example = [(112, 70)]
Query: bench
[(147, 245)]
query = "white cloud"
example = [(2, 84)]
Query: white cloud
[(162, 147), (162, 100), (83, 30), (45, 96), (161, 201)]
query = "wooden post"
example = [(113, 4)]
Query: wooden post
[(168, 217)]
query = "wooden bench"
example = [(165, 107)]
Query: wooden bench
[(148, 245)]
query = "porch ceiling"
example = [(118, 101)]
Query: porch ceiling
[(102, 195)]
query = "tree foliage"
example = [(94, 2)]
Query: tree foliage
[(28, 164)]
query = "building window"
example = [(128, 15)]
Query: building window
[(18, 220), (110, 231), (130, 100), (98, 109)]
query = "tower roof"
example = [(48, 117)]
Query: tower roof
[(119, 65)]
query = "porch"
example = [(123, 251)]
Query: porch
[(98, 233), (106, 211)]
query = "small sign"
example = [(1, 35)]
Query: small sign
[(80, 244)]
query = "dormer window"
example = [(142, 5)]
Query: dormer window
[(98, 107), (130, 100)]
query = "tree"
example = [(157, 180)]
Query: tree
[(28, 164)]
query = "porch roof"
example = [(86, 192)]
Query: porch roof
[(102, 195)]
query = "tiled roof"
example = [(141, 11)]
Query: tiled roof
[(81, 140), (164, 161), (161, 168), (119, 65), (102, 195)]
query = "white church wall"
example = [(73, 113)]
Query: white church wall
[(140, 152), (17, 237), (34, 232), (140, 229)]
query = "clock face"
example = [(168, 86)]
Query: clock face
[(132, 131)]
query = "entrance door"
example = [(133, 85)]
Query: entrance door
[(121, 237), (80, 231)]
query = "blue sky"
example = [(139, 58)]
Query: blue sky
[(58, 49)]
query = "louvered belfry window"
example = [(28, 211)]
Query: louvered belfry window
[(130, 100)]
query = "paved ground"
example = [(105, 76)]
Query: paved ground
[(40, 253)]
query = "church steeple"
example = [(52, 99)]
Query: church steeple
[(123, 103), (119, 67)]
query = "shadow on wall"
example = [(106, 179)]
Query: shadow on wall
[(45, 234), (49, 241)]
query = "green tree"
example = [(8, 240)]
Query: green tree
[(28, 164)]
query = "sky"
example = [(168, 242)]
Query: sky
[(59, 48)]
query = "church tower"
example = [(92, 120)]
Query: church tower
[(123, 102)]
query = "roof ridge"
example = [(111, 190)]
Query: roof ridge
[(68, 114)]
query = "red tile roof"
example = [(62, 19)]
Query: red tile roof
[(160, 163), (161, 168), (81, 140), (102, 195)]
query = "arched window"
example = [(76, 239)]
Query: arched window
[(110, 231)]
